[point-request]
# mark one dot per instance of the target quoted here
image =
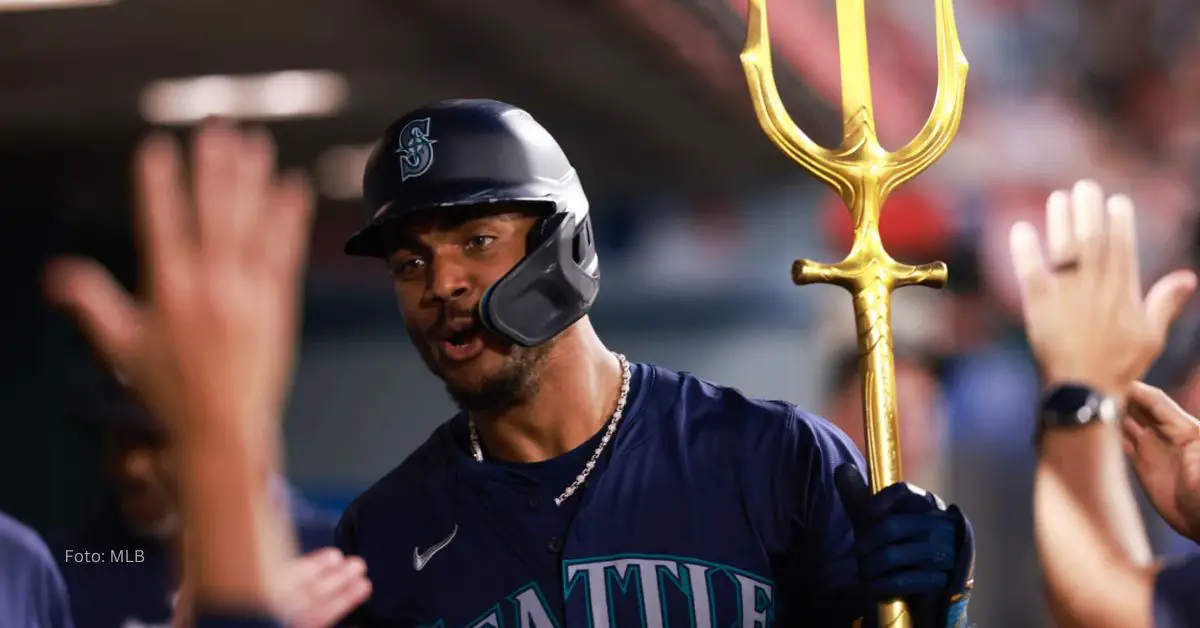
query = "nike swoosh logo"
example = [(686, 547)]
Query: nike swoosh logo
[(420, 559)]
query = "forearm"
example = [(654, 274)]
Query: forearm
[(1090, 538), (234, 523)]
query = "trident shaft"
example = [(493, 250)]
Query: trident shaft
[(864, 174)]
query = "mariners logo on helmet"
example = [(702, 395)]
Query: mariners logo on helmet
[(415, 149)]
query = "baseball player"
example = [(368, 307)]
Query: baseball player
[(1094, 334), (578, 487), (32, 592), (122, 567)]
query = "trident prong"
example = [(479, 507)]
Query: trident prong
[(864, 174)]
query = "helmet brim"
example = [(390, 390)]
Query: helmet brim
[(379, 237)]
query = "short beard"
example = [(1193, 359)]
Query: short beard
[(515, 383)]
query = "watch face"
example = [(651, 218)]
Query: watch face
[(1073, 406)]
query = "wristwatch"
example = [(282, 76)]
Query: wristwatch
[(1072, 406)]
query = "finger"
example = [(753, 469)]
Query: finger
[(215, 158), (1060, 229), (285, 228), (162, 209), (336, 579), (1122, 246), (256, 171), (1028, 264), (1165, 300), (1088, 214), (1132, 433), (318, 592), (310, 566), (1189, 462), (1138, 416), (1154, 408), (104, 311), (350, 597), (923, 555), (899, 529)]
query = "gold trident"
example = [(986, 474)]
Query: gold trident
[(863, 174)]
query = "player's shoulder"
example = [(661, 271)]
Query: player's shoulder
[(699, 406), (20, 543), (421, 474)]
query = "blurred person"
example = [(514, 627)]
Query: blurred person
[(32, 591), (1093, 335), (140, 520), (919, 408), (210, 352), (984, 366), (595, 489)]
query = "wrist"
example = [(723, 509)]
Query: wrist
[(1071, 406), (1106, 387), (225, 493)]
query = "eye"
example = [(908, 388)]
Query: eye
[(480, 242), (406, 267)]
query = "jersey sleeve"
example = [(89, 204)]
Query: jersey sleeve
[(1176, 603), (56, 605), (38, 596), (818, 581)]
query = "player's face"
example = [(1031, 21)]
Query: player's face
[(440, 272), (137, 465)]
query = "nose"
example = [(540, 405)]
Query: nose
[(448, 280)]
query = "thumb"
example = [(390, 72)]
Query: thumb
[(1162, 413), (1166, 299), (106, 313), (855, 494)]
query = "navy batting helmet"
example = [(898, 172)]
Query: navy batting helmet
[(461, 153)]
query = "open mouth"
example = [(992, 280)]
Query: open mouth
[(462, 345)]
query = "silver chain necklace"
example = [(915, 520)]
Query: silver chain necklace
[(477, 449)]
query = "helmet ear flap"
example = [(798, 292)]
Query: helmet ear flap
[(583, 247), (553, 286)]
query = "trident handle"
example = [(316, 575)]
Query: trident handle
[(864, 174)]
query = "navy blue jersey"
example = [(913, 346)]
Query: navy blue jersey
[(32, 592), (1176, 599), (120, 580), (707, 509)]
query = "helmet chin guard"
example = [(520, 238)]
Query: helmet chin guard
[(553, 286)]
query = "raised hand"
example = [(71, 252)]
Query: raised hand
[(209, 347), (1085, 314), (212, 339)]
